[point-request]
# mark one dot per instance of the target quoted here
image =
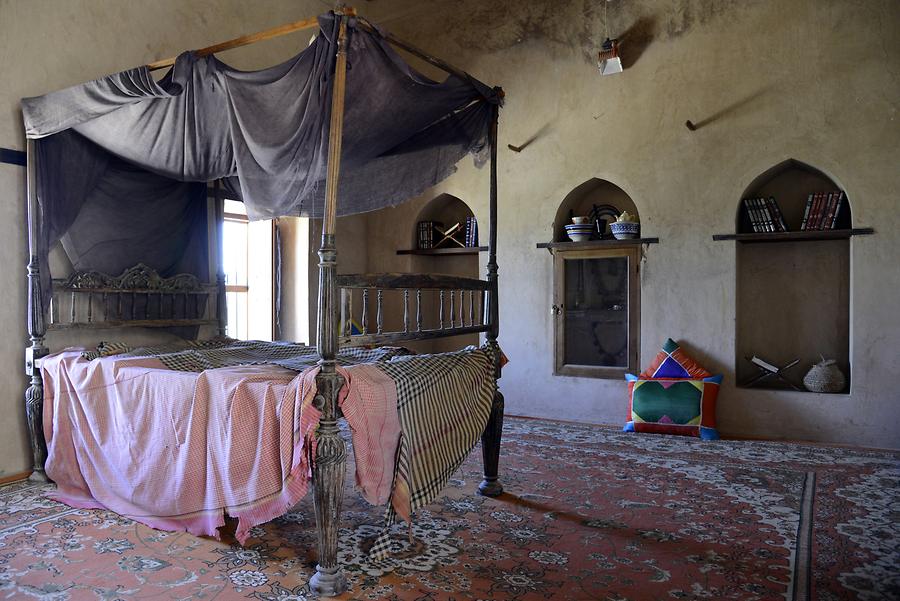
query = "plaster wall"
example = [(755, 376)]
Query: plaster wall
[(293, 323), (814, 80), (764, 81), (351, 234)]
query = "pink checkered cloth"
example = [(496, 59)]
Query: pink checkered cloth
[(178, 450)]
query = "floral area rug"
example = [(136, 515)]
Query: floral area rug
[(589, 513)]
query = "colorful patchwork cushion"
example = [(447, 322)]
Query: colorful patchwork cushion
[(673, 406), (672, 362)]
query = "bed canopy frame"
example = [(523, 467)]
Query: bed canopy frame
[(140, 281)]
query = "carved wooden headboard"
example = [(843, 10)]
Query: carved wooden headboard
[(139, 297)]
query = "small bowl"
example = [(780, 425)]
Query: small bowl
[(579, 237), (625, 230), (580, 220)]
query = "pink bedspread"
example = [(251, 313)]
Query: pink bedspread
[(178, 450)]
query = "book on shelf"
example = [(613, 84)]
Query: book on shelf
[(809, 201), (814, 212), (837, 209), (425, 237), (764, 215), (822, 211), (770, 218), (780, 224), (824, 199), (746, 212), (751, 214), (760, 216), (471, 238), (829, 212)]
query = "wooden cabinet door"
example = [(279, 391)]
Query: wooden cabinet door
[(596, 312)]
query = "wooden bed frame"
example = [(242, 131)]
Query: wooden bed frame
[(139, 298)]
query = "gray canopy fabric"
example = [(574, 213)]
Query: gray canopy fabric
[(264, 132)]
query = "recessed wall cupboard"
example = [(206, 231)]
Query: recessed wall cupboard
[(596, 287), (596, 311)]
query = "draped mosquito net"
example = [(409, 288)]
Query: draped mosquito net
[(123, 161)]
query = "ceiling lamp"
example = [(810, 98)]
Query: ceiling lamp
[(609, 61)]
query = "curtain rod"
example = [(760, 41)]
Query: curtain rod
[(281, 30), (246, 40), (440, 64)]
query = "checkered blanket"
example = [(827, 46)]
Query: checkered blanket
[(444, 402), (198, 356)]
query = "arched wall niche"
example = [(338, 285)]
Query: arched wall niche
[(792, 296), (444, 208), (583, 197), (448, 210), (791, 182)]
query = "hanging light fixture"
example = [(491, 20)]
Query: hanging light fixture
[(609, 61)]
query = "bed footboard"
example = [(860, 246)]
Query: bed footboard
[(457, 306), (431, 306)]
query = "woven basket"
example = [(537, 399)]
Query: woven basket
[(825, 377)]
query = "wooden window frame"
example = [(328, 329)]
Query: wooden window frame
[(560, 368), (273, 322)]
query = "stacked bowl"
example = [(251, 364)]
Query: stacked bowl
[(625, 230), (580, 230)]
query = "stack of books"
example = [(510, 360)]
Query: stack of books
[(426, 235), (471, 239), (822, 210), (765, 215)]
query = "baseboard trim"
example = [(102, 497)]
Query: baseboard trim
[(15, 477)]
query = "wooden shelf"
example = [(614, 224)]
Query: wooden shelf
[(432, 252), (796, 236), (596, 244)]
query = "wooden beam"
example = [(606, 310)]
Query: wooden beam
[(133, 323), (244, 40), (414, 50), (401, 281), (462, 250), (796, 236), (397, 337), (274, 32), (596, 244)]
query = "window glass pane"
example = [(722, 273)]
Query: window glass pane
[(235, 206), (237, 314), (260, 295), (596, 312), (235, 252)]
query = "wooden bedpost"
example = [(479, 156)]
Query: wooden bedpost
[(490, 440), (34, 394), (331, 453)]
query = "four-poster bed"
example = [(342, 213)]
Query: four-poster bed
[(142, 297)]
